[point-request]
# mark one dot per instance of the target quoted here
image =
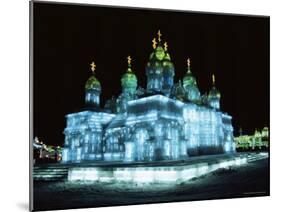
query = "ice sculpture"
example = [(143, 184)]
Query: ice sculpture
[(165, 121)]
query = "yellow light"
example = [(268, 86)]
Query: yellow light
[(154, 43), (93, 66), (159, 35), (166, 46), (129, 60)]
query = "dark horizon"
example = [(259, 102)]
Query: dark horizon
[(67, 38)]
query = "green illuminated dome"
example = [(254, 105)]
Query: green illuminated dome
[(129, 79), (93, 83), (167, 61), (214, 93), (189, 79), (159, 53)]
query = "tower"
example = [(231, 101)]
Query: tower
[(190, 85), (214, 95), (168, 72), (92, 89), (154, 68), (129, 80), (129, 85)]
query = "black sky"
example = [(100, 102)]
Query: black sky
[(68, 37)]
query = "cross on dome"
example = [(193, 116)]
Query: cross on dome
[(93, 66), (166, 46), (129, 60), (213, 79), (154, 43), (159, 35), (188, 62)]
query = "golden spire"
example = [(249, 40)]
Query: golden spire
[(213, 79), (159, 35), (154, 43), (166, 46), (129, 63), (129, 60), (93, 66), (188, 64)]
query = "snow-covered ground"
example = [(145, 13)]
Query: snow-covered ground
[(251, 179)]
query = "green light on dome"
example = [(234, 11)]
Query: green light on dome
[(92, 83), (129, 79), (214, 93), (160, 53)]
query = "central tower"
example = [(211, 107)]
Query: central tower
[(159, 69), (92, 89)]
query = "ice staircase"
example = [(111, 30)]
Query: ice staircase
[(59, 172), (258, 156), (50, 173)]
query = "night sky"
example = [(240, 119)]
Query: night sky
[(68, 37)]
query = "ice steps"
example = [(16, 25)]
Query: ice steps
[(260, 156), (50, 173)]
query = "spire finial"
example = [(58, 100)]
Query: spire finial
[(188, 64), (93, 66), (129, 60), (154, 43), (213, 79), (159, 35), (129, 63), (166, 46)]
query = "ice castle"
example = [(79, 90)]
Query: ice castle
[(165, 121)]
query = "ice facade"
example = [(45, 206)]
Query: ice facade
[(165, 121)]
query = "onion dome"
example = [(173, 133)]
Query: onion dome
[(167, 59), (159, 52), (189, 79), (154, 60), (214, 92), (93, 83), (129, 79)]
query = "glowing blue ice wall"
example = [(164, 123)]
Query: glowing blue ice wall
[(160, 128), (153, 128), (83, 136), (228, 138), (203, 130), (154, 77)]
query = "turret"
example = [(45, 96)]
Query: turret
[(92, 89), (129, 84), (129, 80), (214, 95), (168, 72), (190, 85), (154, 68)]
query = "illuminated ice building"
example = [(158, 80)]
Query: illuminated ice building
[(165, 121)]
